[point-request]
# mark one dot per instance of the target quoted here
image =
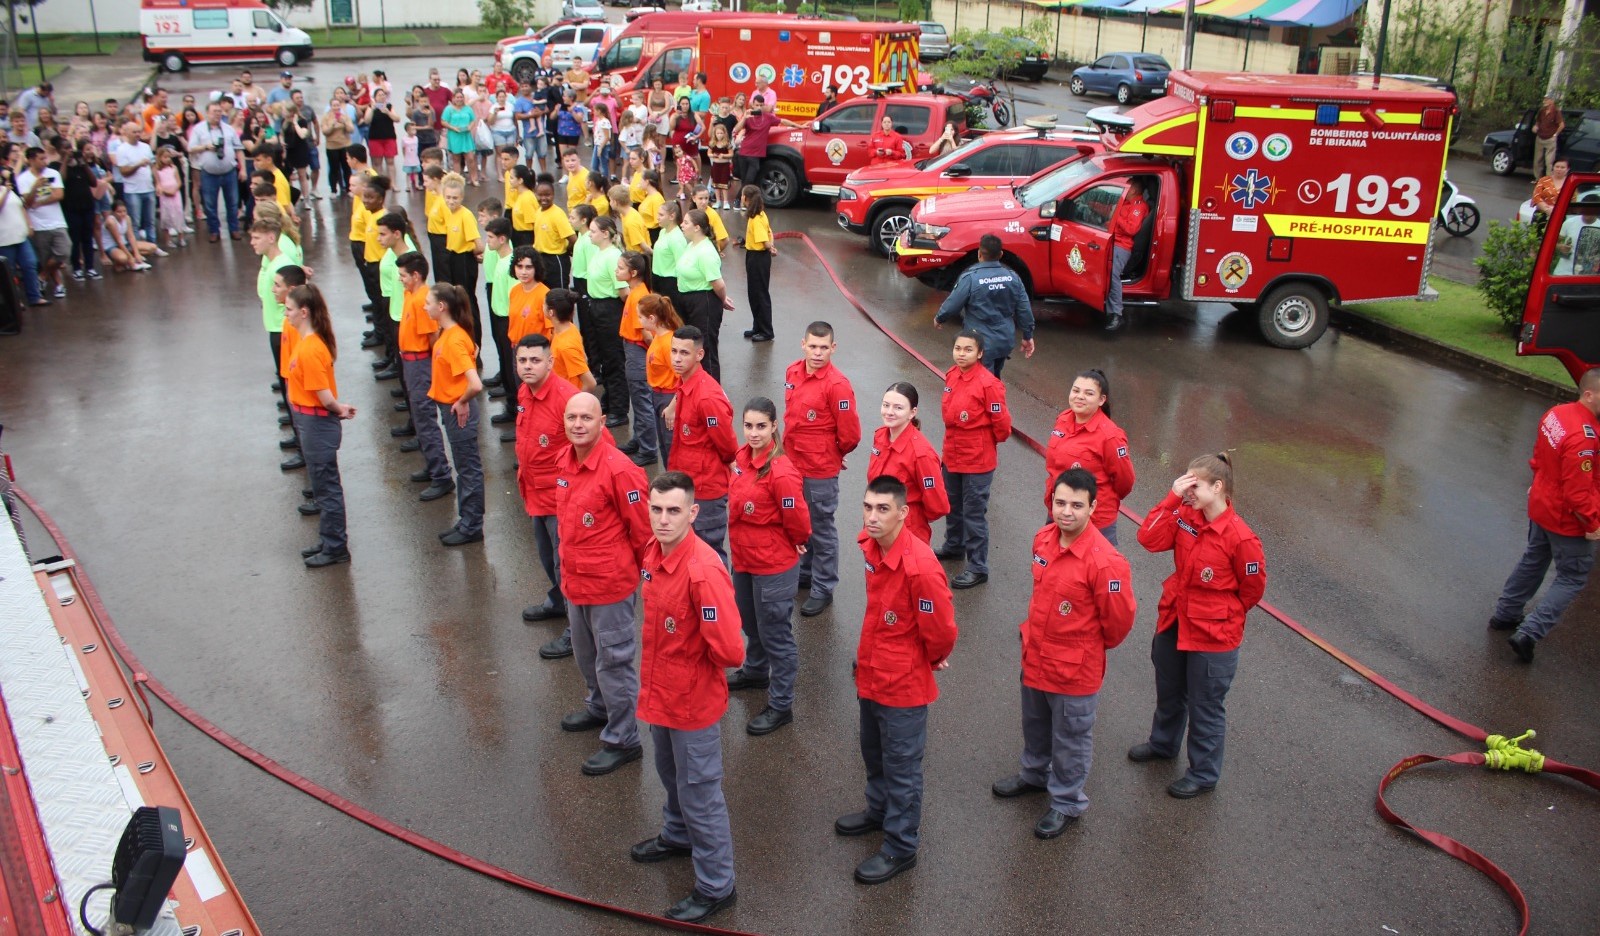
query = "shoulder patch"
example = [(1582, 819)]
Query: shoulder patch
[(947, 388), (1114, 586), (708, 614), (1122, 451), (1039, 560), (1588, 430), (788, 386), (788, 503), (1252, 568), (925, 606), (927, 483), (633, 497), (645, 574), (1058, 433), (711, 420), (844, 404), (994, 407)]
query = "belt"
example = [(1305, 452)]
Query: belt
[(309, 410), (414, 355)]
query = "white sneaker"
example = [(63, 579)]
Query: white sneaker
[(160, 252), (61, 291), (141, 267), (77, 275), (94, 274)]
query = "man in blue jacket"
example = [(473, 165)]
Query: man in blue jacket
[(991, 299)]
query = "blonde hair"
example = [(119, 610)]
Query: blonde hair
[(1217, 467), (270, 211), (453, 180)]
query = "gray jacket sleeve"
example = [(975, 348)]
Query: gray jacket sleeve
[(1024, 314), (957, 299)]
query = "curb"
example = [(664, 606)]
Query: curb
[(1382, 332), (363, 53)]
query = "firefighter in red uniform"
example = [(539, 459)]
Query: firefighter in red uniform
[(600, 503), (900, 450), (976, 420), (1563, 519), (541, 438), (907, 633), (767, 534), (691, 633), (1219, 574), (1085, 437), (1082, 606), (820, 427), (704, 445), (1126, 221)]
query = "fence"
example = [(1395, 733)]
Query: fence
[(1080, 36)]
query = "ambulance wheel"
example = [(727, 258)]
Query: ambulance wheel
[(888, 223), (1502, 162), (172, 62), (286, 57), (1294, 315), (1076, 86), (1124, 94), (779, 184)]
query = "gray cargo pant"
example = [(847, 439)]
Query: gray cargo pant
[(821, 559), (419, 380), (1057, 745), (644, 407), (319, 445), (469, 468), (1573, 557), (603, 644), (689, 764), (1191, 686), (892, 742), (711, 524), (766, 608), (966, 527)]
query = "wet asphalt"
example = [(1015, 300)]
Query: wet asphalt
[(1388, 493)]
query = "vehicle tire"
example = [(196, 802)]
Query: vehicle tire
[(1002, 113), (1124, 94), (172, 62), (1293, 315), (524, 71), (1461, 220), (1076, 86), (885, 227), (287, 58), (780, 186), (1502, 162)]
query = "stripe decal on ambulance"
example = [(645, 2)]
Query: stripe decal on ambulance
[(1135, 143)]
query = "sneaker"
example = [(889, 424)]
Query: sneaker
[(141, 267), (77, 275), (61, 291), (160, 252), (94, 274)]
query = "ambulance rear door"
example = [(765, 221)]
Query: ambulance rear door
[(1562, 315)]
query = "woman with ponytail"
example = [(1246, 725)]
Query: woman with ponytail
[(317, 412), (1085, 437), (455, 390), (899, 449), (1220, 575)]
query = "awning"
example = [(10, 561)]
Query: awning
[(1266, 12)]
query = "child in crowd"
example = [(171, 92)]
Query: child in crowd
[(720, 152), (169, 197), (410, 159)]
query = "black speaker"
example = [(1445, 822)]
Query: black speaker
[(148, 860)]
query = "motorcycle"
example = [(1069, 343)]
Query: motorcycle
[(1458, 213), (984, 95)]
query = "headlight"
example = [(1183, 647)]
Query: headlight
[(930, 231), (847, 194)]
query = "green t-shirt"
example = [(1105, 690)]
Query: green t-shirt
[(389, 280), (669, 247), (581, 249), (699, 266), (497, 270), (271, 309), (601, 273), (291, 250)]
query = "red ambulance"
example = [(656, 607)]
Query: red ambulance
[(1280, 194)]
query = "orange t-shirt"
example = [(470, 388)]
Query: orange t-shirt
[(415, 323), (658, 365), (629, 329), (453, 355), (310, 370), (527, 312), (291, 337), (566, 352)]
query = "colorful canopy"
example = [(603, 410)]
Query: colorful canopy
[(1269, 12)]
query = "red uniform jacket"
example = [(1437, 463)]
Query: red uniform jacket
[(691, 634), (1099, 447), (910, 624), (1564, 498), (602, 510), (1082, 606), (976, 419), (1126, 220), (1220, 573), (911, 458), (541, 438), (820, 425), (705, 444), (767, 516)]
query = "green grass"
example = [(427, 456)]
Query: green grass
[(28, 75), (1460, 319), (472, 36), (350, 39), (66, 45)]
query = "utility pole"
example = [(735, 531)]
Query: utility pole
[(1189, 24), (1383, 42), (1561, 63)]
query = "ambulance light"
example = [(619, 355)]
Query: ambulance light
[(1433, 118), (1222, 112), (1327, 115)]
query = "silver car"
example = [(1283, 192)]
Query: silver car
[(935, 41)]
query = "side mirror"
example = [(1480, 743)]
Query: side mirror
[(958, 171), (1047, 212)]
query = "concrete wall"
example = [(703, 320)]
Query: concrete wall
[(1083, 37), (73, 16)]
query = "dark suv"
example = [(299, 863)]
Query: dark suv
[(1508, 150)]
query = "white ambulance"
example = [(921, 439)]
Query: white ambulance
[(180, 33)]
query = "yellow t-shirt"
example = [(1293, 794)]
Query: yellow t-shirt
[(550, 231), (433, 207), (280, 187), (636, 186), (577, 188), (651, 209), (460, 230), (525, 211), (757, 232), (719, 232), (361, 220), (371, 250), (635, 236), (602, 205)]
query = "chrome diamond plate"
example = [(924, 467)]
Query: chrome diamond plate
[(81, 804)]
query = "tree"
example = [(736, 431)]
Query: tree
[(507, 16), (980, 56), (913, 10)]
